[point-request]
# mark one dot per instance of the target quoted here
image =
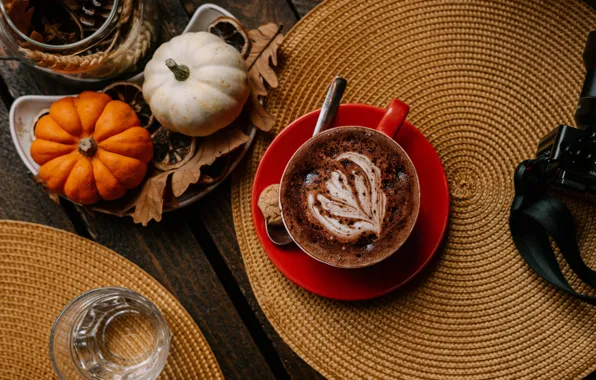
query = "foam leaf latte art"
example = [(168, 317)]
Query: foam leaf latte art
[(362, 202)]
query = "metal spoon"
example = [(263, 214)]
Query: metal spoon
[(278, 234), (331, 104)]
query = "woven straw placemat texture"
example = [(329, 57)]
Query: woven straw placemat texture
[(485, 80), (42, 269)]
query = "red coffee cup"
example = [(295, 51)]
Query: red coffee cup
[(388, 127)]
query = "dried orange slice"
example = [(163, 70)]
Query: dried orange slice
[(171, 150), (132, 94), (231, 31)]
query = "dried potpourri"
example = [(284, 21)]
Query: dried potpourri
[(132, 94), (171, 150), (47, 21), (231, 31)]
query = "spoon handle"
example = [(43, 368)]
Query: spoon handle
[(331, 104)]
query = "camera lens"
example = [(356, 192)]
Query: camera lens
[(585, 114)]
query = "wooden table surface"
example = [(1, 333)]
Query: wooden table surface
[(193, 252)]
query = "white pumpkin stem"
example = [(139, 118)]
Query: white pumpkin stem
[(87, 146), (181, 72)]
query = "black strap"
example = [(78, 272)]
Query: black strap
[(534, 217)]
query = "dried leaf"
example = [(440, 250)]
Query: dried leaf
[(206, 180), (37, 37), (53, 33), (211, 147), (149, 204), (261, 60), (218, 170), (169, 200), (53, 195), (20, 15), (87, 208)]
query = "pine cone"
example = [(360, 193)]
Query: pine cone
[(92, 13)]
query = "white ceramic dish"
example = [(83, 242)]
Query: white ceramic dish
[(25, 109)]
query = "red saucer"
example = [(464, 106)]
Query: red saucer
[(390, 274)]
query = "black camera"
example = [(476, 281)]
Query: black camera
[(568, 155), (565, 158)]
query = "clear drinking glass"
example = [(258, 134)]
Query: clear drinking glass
[(109, 333)]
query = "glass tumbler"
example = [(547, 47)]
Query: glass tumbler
[(109, 333)]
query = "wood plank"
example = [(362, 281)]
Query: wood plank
[(20, 198), (253, 13), (304, 6), (215, 211), (169, 250), (15, 72)]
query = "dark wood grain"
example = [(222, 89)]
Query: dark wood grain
[(169, 252), (216, 213), (20, 197), (15, 72), (253, 13), (215, 210), (302, 7)]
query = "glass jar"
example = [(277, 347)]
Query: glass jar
[(118, 45)]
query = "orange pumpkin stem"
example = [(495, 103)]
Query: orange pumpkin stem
[(88, 147)]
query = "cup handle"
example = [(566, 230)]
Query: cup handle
[(394, 117)]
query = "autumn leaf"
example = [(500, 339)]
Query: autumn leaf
[(211, 147), (206, 180), (37, 37), (20, 15), (170, 201), (218, 171), (149, 204), (261, 61)]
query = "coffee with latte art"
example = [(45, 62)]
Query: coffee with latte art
[(350, 197)]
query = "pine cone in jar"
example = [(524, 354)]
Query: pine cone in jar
[(91, 13)]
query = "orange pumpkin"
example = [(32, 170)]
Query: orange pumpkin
[(91, 147)]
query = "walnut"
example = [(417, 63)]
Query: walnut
[(269, 205)]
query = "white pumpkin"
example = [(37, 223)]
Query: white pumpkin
[(196, 84)]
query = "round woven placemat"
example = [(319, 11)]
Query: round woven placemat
[(42, 269), (485, 80)]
